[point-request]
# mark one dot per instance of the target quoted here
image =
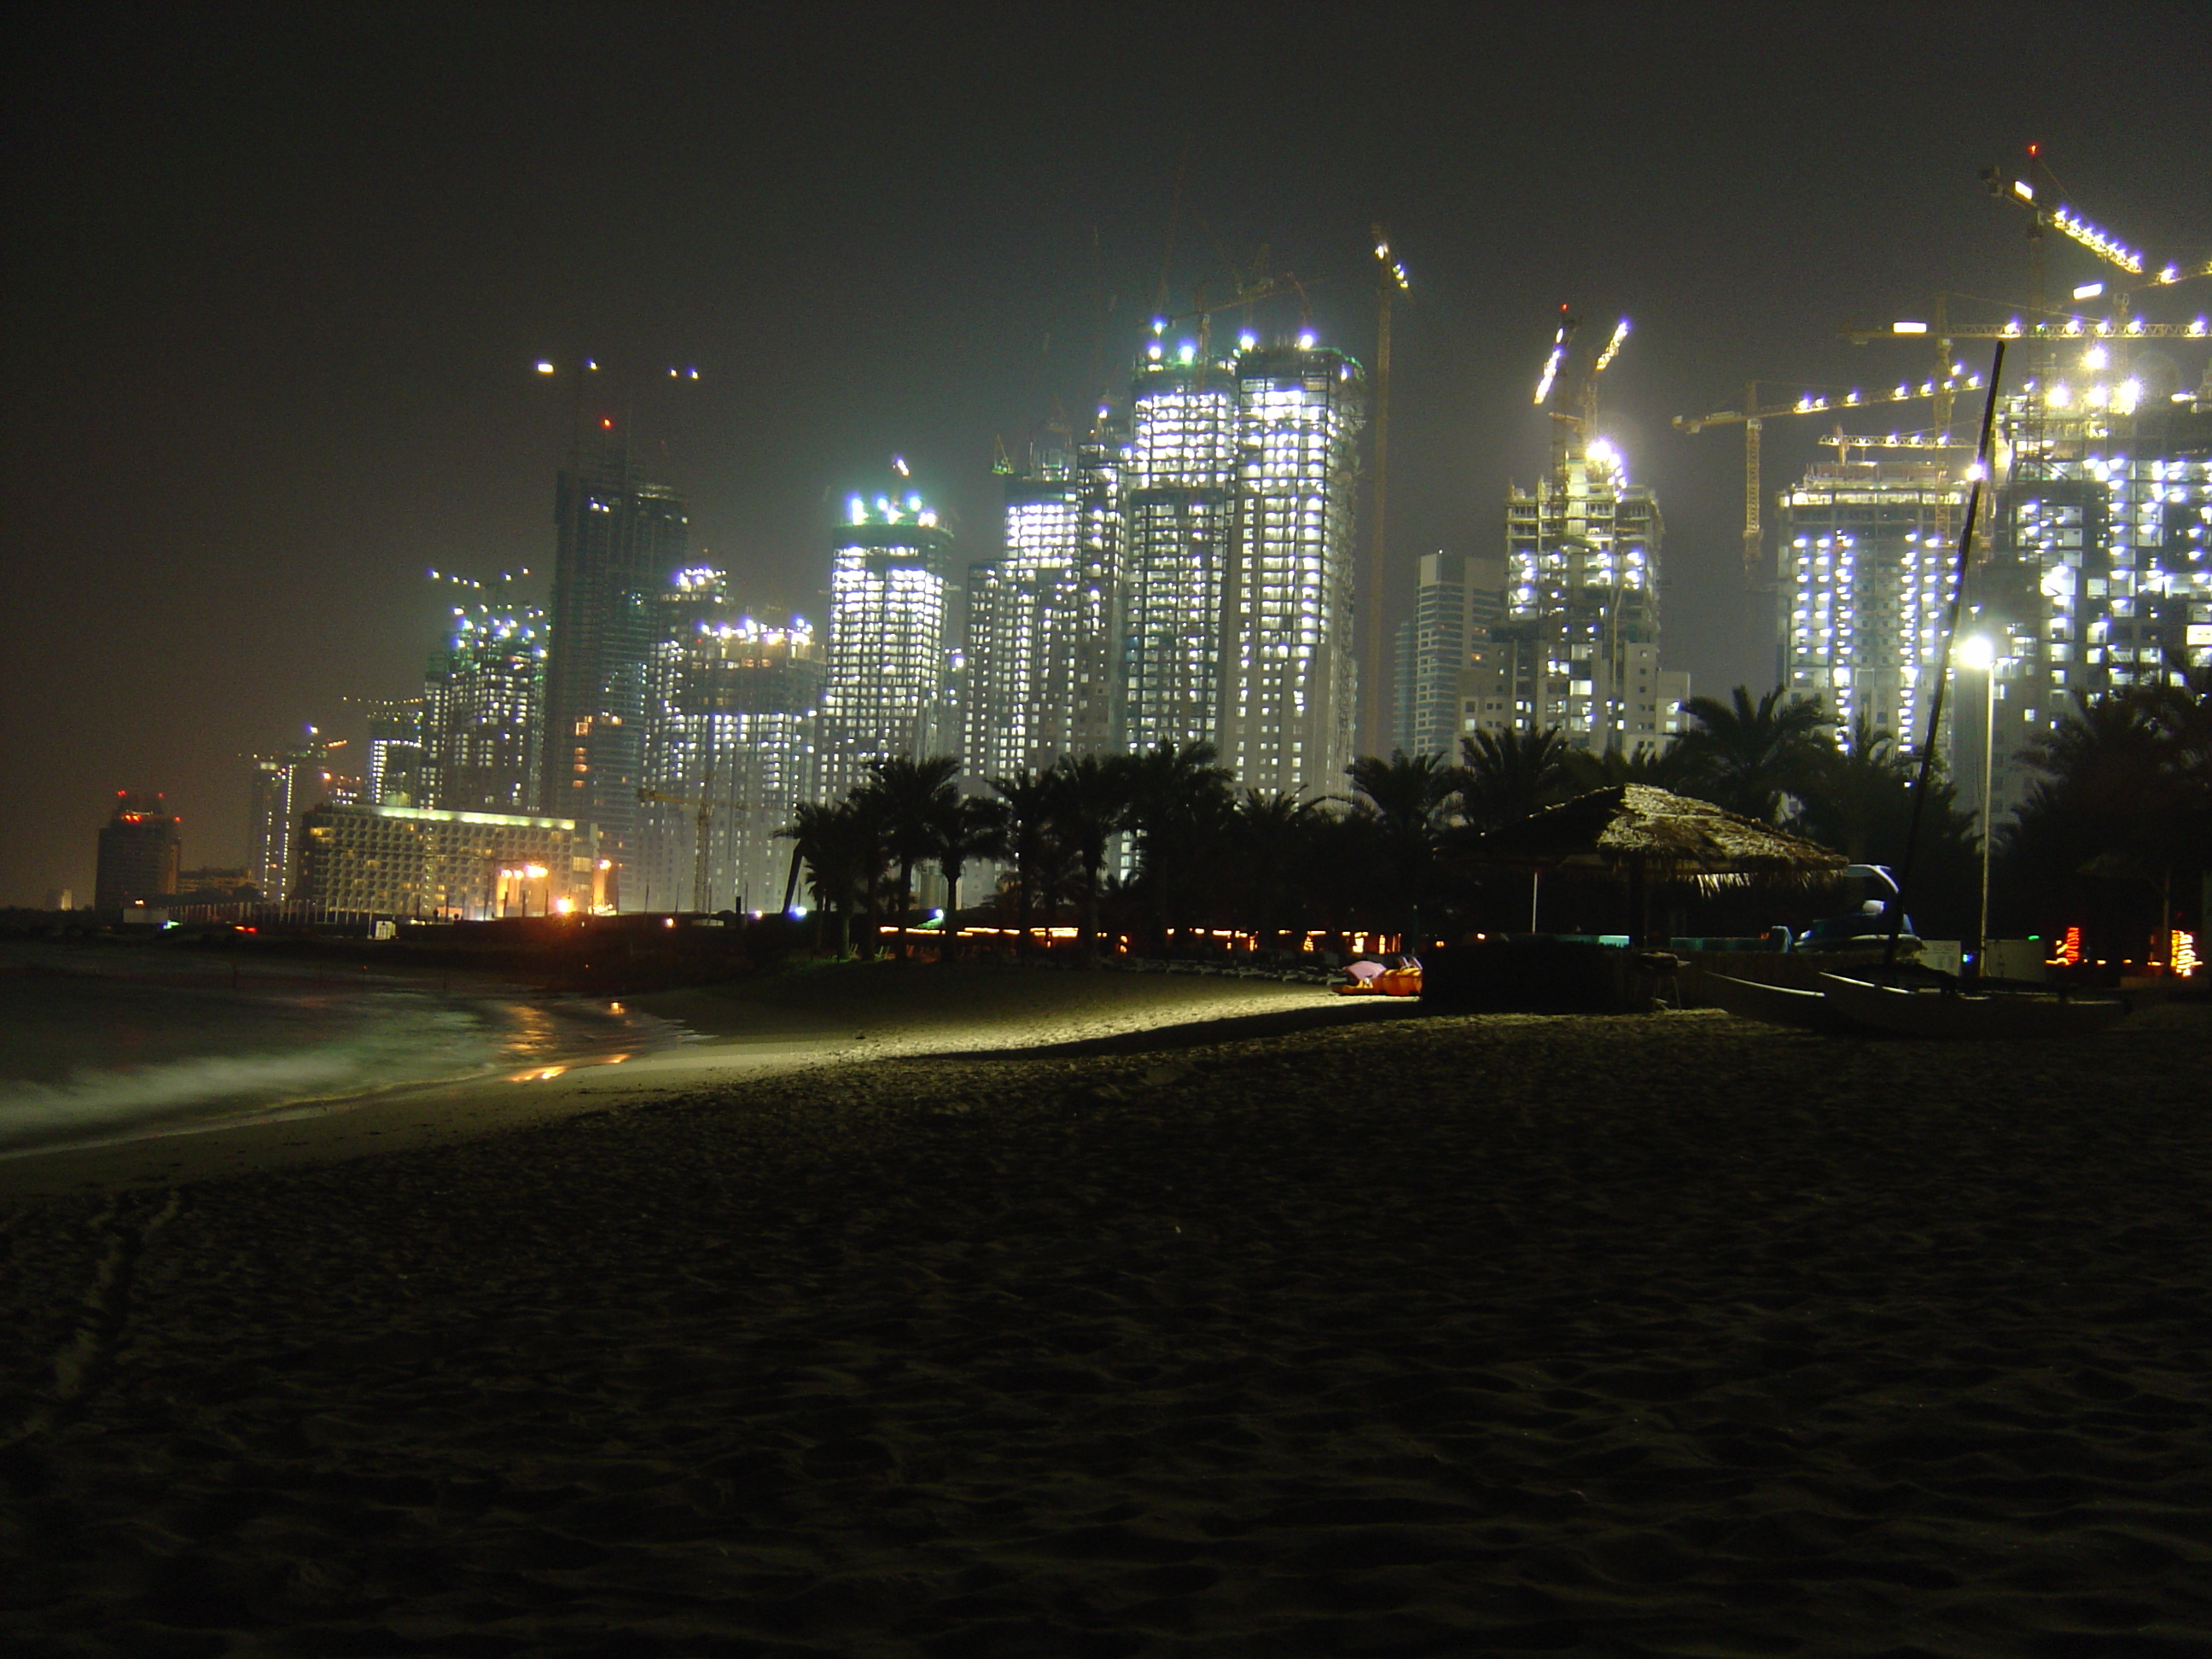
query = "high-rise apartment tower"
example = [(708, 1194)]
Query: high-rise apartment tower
[(621, 537)]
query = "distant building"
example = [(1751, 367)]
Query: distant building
[(1290, 674), (1237, 545), (1458, 601), (392, 775), (1499, 690), (2100, 569), (1038, 654), (1178, 494), (137, 853), (215, 885), (484, 713), (886, 691), (729, 702), (285, 784), (622, 536), (1582, 553), (1869, 560), (412, 861)]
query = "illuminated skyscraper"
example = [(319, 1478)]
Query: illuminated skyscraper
[(1583, 563), (137, 853), (1236, 489), (1178, 486), (393, 775), (887, 689), (2100, 573), (1038, 658), (621, 538), (728, 708), (285, 785), (1869, 564), (484, 713), (1290, 679)]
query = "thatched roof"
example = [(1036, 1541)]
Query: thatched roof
[(1668, 835)]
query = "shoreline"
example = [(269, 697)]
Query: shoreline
[(735, 1032)]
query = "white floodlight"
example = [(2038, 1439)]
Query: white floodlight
[(544, 368), (1908, 328), (2089, 290), (1976, 652), (2023, 189)]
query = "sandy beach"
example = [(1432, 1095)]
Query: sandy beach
[(969, 1312)]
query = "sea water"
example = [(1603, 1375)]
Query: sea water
[(98, 1046)]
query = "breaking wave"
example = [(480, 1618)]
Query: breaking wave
[(199, 1063)]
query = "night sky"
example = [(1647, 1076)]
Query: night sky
[(276, 284)]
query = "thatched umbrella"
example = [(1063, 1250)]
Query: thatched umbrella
[(1648, 832)]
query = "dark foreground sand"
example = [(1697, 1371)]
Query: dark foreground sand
[(1451, 1335)]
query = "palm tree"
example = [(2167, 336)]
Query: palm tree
[(1411, 798), (1029, 798), (972, 827), (1179, 806), (1090, 806), (912, 796), (1662, 769), (1270, 834), (842, 854), (1750, 757), (1505, 777), (2126, 794)]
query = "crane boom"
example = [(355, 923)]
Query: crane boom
[(1752, 417), (2073, 328)]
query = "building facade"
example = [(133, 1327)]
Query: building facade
[(392, 774), (1459, 600), (417, 862), (1178, 493), (138, 853), (1038, 651), (621, 537), (482, 736), (1583, 556), (1868, 562), (285, 785), (887, 691), (2099, 576), (1236, 528), (1290, 674), (730, 702)]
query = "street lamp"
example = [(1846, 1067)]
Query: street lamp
[(1978, 653)]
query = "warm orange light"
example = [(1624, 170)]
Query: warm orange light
[(2181, 952)]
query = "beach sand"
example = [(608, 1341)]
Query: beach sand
[(1394, 1335)]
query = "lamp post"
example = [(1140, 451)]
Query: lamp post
[(1978, 653)]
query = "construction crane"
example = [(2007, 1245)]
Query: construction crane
[(2072, 330), (1390, 282), (1579, 423), (704, 804), (1927, 443), (2038, 194), (1752, 417), (1246, 294)]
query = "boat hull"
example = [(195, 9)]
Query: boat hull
[(1898, 1010), (1771, 1004)]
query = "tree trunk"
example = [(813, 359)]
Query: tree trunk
[(905, 907)]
